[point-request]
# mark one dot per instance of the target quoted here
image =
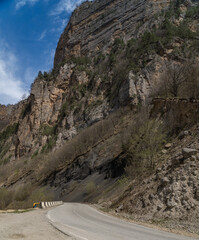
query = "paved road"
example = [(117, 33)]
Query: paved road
[(83, 222)]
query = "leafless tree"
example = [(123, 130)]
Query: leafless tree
[(191, 87), (178, 80), (174, 77)]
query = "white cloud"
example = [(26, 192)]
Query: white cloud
[(22, 3), (43, 35), (66, 6), (11, 89)]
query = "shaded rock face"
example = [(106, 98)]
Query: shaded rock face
[(94, 25)]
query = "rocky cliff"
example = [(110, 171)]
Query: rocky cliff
[(83, 87), (111, 54), (71, 133), (94, 26)]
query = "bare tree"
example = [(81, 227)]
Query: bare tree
[(174, 77), (178, 80), (191, 88)]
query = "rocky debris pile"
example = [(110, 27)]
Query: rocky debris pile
[(170, 193), (177, 192)]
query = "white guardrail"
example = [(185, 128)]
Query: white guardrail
[(47, 204), (50, 204)]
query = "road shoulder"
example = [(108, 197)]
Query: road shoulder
[(31, 225)]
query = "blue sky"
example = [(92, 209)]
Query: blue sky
[(29, 32)]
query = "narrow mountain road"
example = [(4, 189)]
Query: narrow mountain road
[(83, 222)]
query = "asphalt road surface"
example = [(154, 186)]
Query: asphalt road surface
[(83, 222)]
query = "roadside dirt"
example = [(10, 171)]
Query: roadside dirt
[(32, 225)]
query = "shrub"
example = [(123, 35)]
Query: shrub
[(6, 197), (173, 10), (112, 58), (49, 145), (137, 51), (64, 109), (10, 130), (90, 188), (23, 196), (193, 12), (191, 86), (144, 147), (6, 160), (117, 47), (4, 148), (78, 145), (40, 75), (118, 44), (184, 32), (47, 130), (41, 194), (35, 154), (83, 60), (101, 57), (22, 192)]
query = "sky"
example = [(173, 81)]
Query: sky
[(29, 32)]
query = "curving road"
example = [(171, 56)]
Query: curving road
[(83, 222)]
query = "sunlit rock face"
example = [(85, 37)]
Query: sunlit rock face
[(94, 25), (83, 87)]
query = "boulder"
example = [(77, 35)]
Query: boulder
[(165, 181), (168, 145), (193, 158), (188, 152), (164, 151), (171, 203)]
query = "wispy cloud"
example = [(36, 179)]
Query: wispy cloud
[(22, 3), (11, 89), (65, 6), (43, 35)]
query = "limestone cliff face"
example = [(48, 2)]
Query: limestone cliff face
[(90, 78), (94, 25)]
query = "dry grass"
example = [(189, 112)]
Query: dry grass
[(23, 196), (79, 145), (90, 188), (37, 170), (42, 166)]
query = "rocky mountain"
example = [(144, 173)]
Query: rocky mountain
[(74, 133), (92, 73), (76, 87)]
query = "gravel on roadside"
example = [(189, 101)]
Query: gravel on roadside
[(31, 225)]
